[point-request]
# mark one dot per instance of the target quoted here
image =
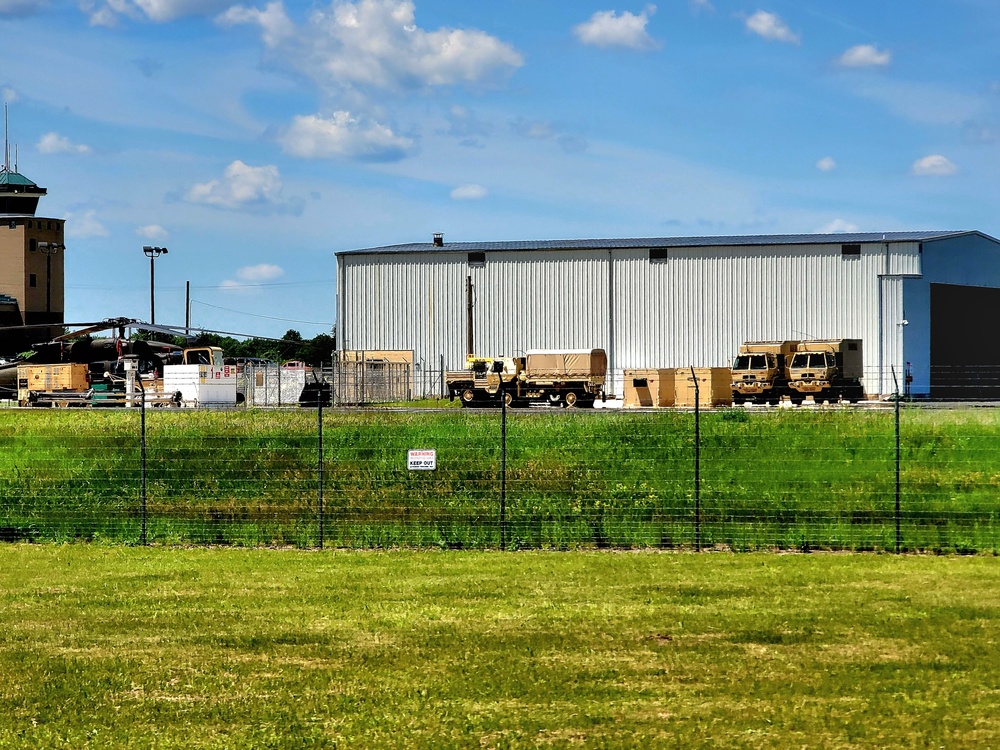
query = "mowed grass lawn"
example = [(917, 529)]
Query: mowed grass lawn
[(218, 647)]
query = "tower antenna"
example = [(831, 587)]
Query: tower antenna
[(6, 142)]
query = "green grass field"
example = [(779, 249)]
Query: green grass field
[(107, 647), (785, 479)]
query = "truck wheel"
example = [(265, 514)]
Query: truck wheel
[(570, 399), (468, 396)]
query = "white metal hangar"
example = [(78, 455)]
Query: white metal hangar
[(921, 302)]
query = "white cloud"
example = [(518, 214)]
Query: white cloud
[(838, 226), (469, 192), (865, 56), (85, 226), (826, 164), (53, 143), (377, 44), (9, 95), (108, 12), (934, 165), (152, 232), (608, 29), (274, 24), (249, 278), (343, 135), (260, 273), (770, 26), (241, 186)]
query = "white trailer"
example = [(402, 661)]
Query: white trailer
[(201, 385)]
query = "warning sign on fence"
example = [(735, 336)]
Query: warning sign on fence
[(422, 460)]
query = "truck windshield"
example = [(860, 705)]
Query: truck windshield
[(750, 362), (810, 359)]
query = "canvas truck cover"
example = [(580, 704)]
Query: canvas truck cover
[(584, 363)]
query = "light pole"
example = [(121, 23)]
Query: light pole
[(152, 253), (49, 249)]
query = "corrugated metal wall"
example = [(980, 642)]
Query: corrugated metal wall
[(692, 308)]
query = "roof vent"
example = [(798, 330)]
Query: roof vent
[(438, 239)]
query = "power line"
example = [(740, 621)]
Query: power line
[(266, 317), (104, 288)]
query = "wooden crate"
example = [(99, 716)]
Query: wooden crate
[(715, 386), (648, 387)]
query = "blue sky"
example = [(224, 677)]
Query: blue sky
[(255, 140)]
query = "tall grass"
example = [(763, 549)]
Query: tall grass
[(787, 479)]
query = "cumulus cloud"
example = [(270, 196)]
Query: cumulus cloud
[(241, 186), (260, 273), (606, 28), (377, 44), (470, 192), (343, 135), (838, 226), (152, 232), (249, 277), (934, 165), (275, 26), (53, 143), (87, 225), (865, 56), (771, 27), (826, 164), (110, 12)]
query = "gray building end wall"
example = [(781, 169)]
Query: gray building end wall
[(964, 260)]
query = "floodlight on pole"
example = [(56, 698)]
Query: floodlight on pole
[(152, 253)]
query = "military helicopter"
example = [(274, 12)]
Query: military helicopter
[(100, 354)]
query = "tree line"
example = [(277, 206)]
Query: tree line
[(315, 351)]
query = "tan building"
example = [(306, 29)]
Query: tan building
[(31, 262)]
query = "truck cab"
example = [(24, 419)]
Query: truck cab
[(760, 371)]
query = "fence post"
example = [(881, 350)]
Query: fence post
[(498, 369), (896, 399), (697, 463), (319, 468), (142, 459)]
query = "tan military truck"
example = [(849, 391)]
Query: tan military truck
[(760, 371), (828, 370), (560, 378)]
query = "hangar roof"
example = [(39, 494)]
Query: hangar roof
[(651, 242)]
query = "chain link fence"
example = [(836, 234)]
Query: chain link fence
[(898, 476)]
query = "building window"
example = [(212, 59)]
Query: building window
[(848, 251), (477, 259), (658, 255), (32, 280), (29, 223), (49, 225), (32, 244)]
